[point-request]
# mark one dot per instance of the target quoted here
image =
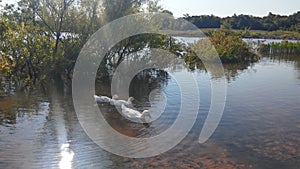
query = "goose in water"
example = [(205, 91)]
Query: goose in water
[(119, 103), (135, 115), (99, 99)]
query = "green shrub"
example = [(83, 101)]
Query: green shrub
[(226, 45)]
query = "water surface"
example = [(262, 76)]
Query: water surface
[(259, 128)]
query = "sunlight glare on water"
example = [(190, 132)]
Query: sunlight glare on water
[(66, 157)]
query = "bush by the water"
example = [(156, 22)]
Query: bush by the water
[(226, 45)]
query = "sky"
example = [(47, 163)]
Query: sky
[(225, 8)]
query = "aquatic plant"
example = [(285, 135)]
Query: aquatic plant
[(285, 47)]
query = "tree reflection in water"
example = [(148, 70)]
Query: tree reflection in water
[(295, 59)]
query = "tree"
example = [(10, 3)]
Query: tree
[(153, 6), (205, 21), (115, 9), (41, 39), (226, 25), (52, 14), (271, 22), (89, 17), (25, 52)]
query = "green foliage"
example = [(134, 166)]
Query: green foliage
[(138, 43), (41, 39), (268, 23), (115, 9), (204, 21), (152, 6), (226, 45), (284, 47), (25, 52), (231, 48), (226, 25)]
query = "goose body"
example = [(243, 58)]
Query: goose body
[(134, 114), (119, 103), (99, 99)]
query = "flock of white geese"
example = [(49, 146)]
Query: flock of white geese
[(123, 104)]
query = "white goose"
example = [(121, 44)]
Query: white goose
[(135, 115), (104, 99), (119, 103)]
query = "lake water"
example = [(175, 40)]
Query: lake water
[(259, 128)]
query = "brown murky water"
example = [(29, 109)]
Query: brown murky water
[(259, 129)]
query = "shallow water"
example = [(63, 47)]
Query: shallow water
[(259, 128)]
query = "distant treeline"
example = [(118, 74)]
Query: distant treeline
[(271, 22)]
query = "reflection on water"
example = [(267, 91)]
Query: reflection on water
[(259, 129), (66, 157)]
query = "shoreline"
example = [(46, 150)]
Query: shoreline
[(252, 34)]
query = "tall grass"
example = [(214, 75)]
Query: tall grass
[(284, 47)]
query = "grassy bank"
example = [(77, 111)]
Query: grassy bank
[(287, 35), (279, 34)]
